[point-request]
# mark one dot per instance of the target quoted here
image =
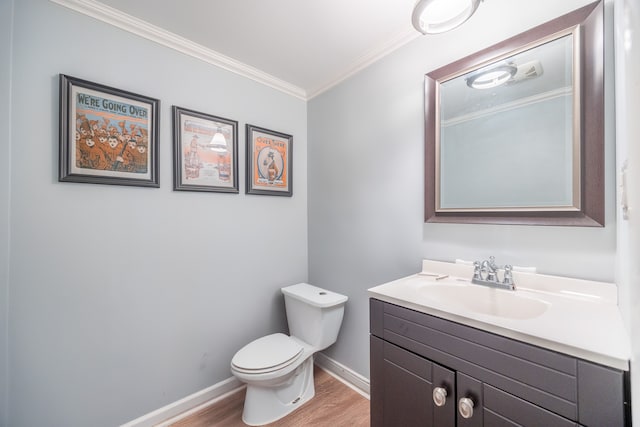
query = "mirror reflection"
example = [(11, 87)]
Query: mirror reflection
[(507, 134)]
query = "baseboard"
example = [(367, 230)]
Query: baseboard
[(185, 406), (344, 374)]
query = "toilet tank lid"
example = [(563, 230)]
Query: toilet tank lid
[(313, 295)]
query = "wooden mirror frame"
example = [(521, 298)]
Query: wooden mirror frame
[(591, 22)]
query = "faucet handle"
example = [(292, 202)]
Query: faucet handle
[(476, 270), (508, 275)]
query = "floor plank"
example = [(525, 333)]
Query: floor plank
[(334, 405)]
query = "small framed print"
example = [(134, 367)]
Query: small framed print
[(107, 135), (269, 162), (205, 152)]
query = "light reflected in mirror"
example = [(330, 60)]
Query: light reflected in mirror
[(508, 134)]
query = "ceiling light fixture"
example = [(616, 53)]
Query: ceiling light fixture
[(492, 77), (438, 16)]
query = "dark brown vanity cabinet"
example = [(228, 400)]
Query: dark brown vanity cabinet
[(428, 371)]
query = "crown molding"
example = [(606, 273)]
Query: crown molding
[(368, 58), (111, 16), (156, 34)]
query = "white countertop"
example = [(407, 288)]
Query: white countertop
[(576, 317)]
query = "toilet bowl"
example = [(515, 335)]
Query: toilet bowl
[(278, 368)]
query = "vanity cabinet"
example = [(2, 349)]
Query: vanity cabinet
[(480, 379)]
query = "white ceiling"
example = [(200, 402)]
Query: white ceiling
[(307, 43), (302, 47)]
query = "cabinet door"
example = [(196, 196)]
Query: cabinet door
[(444, 379), (402, 387), (469, 401)]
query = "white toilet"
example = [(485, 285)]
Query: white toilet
[(278, 369)]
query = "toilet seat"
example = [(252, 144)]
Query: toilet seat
[(267, 354)]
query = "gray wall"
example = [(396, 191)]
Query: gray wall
[(125, 299), (627, 36), (6, 19), (366, 182)]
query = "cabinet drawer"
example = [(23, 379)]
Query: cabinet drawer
[(501, 408)]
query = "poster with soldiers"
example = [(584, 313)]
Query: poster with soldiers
[(108, 136), (269, 162), (205, 152)]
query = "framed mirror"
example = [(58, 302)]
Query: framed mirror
[(515, 133)]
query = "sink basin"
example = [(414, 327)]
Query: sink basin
[(485, 300)]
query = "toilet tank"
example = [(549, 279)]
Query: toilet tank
[(314, 314)]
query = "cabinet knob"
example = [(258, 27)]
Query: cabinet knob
[(439, 396), (465, 407)]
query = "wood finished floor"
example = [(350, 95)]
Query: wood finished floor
[(334, 405)]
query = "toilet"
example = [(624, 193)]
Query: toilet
[(278, 368)]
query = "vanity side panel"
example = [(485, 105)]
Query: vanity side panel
[(376, 387), (376, 312), (596, 382)]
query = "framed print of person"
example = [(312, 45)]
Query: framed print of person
[(269, 162)]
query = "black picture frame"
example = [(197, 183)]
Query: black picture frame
[(107, 135), (269, 158), (205, 152)]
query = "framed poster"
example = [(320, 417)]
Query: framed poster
[(269, 162), (205, 152), (107, 135)]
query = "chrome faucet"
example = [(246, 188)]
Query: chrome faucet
[(486, 273)]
